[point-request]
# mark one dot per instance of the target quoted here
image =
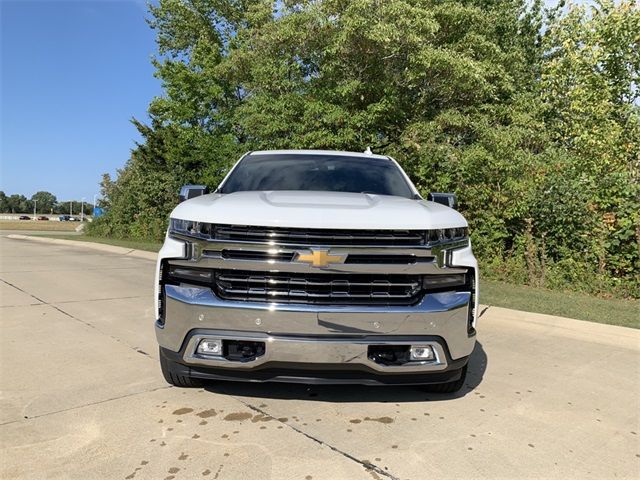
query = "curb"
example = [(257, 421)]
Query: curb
[(129, 252)]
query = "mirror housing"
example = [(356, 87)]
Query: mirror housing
[(448, 199), (192, 191)]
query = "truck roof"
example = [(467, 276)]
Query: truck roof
[(318, 152)]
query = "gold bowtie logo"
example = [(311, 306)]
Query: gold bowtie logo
[(320, 258)]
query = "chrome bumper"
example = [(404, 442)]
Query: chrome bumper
[(305, 350), (292, 332)]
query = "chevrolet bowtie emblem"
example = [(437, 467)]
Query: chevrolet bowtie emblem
[(320, 258)]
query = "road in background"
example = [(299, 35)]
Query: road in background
[(83, 396)]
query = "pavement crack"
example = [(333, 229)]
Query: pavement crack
[(84, 300), (75, 318), (366, 465), (90, 325), (90, 404), (101, 299), (23, 291)]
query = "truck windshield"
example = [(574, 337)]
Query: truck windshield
[(317, 172)]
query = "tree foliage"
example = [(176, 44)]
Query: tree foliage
[(15, 203), (530, 116), (44, 202)]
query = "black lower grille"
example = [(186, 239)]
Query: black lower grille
[(324, 288)]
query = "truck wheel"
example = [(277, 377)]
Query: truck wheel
[(173, 375), (449, 387)]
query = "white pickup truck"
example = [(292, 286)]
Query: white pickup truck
[(316, 267)]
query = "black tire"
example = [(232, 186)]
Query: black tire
[(173, 376), (449, 387)]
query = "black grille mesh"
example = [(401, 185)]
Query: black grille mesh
[(324, 288)]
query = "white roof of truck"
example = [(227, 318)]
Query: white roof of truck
[(318, 152)]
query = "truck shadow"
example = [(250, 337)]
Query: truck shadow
[(354, 393)]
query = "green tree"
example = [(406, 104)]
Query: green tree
[(4, 203), (139, 202), (19, 204), (45, 201), (530, 115), (589, 85)]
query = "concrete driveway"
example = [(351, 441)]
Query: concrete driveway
[(83, 397)]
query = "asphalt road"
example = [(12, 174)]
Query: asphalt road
[(83, 397)]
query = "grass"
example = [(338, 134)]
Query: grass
[(518, 297), (565, 304), (136, 244), (39, 225)]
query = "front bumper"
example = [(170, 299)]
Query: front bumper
[(309, 372), (306, 338)]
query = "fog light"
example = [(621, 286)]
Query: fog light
[(422, 352), (210, 346)]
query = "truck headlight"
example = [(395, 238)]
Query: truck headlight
[(448, 235), (190, 228)]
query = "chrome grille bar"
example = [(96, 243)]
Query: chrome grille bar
[(311, 237)]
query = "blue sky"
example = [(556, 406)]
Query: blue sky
[(73, 73)]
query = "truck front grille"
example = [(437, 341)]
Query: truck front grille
[(352, 258), (324, 288), (314, 237)]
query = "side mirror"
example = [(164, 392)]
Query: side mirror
[(192, 191), (448, 199)]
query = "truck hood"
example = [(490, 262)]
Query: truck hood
[(328, 210)]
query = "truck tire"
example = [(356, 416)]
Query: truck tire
[(174, 377), (449, 387)]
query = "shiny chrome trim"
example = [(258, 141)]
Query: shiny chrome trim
[(274, 265), (208, 255), (312, 350), (218, 246), (261, 233), (440, 314), (419, 250), (432, 302), (443, 252)]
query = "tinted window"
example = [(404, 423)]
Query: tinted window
[(324, 173)]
